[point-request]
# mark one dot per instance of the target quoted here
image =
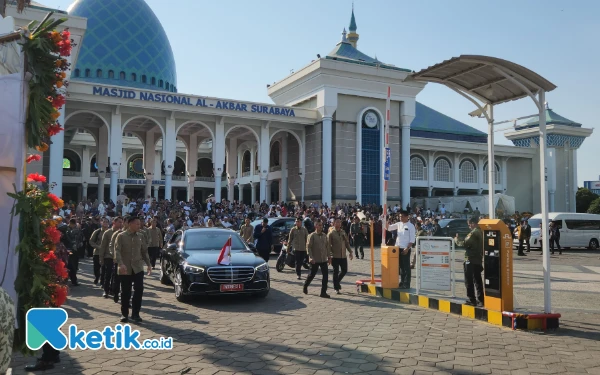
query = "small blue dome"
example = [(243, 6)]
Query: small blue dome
[(124, 45)]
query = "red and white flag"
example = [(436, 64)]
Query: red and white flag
[(225, 254)]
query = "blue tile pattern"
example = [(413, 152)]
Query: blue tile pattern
[(371, 166), (552, 140), (124, 36)]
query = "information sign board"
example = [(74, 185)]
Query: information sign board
[(435, 264)]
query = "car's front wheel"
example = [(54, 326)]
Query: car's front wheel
[(594, 244), (178, 287)]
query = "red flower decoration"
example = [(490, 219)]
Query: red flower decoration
[(66, 34), (36, 177), (49, 256), (54, 129), (59, 294), (56, 201), (53, 234), (64, 47), (33, 157), (61, 270), (58, 101)]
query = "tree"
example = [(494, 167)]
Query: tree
[(594, 207), (584, 198)]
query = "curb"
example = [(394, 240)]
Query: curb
[(512, 320)]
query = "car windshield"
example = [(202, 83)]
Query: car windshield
[(534, 223), (207, 241), (444, 222)]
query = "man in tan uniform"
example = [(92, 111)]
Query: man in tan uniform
[(116, 282), (318, 257), (339, 244), (155, 241), (131, 253), (247, 231), (95, 243), (297, 241), (106, 256)]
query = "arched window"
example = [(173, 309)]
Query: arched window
[(87, 73), (418, 171), (122, 76), (468, 172), (167, 85), (496, 174), (144, 78), (153, 81), (133, 77), (76, 73), (99, 73), (161, 83), (111, 74), (442, 170)]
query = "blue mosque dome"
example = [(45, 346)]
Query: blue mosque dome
[(124, 45)]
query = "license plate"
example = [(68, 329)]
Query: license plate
[(232, 287)]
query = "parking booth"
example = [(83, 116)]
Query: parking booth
[(497, 264), (390, 264)]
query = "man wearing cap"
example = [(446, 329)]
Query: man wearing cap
[(264, 239), (404, 240), (472, 265), (297, 241), (524, 235)]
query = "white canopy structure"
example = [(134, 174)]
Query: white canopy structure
[(459, 203)]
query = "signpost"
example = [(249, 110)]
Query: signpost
[(435, 264), (387, 163)]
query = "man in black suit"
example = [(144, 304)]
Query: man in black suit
[(264, 239), (524, 236)]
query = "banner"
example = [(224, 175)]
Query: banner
[(435, 264)]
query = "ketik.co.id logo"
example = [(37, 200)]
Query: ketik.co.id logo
[(43, 326)]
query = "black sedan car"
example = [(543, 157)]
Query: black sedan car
[(452, 227), (190, 262), (280, 227)]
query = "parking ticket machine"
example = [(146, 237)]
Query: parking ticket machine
[(497, 265)]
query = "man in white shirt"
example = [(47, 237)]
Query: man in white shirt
[(443, 210), (405, 241)]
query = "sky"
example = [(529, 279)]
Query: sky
[(234, 48)]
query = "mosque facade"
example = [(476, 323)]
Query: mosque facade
[(128, 130)]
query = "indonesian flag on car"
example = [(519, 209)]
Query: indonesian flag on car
[(225, 254)]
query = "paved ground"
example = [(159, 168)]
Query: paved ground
[(289, 332)]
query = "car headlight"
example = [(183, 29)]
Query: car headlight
[(193, 269), (262, 268)]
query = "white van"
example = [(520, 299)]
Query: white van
[(576, 230)]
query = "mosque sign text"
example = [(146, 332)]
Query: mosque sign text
[(228, 105)]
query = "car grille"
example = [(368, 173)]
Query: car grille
[(230, 275)]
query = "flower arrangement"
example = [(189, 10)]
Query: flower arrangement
[(46, 51), (42, 272)]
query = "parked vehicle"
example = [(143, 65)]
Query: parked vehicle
[(190, 262), (288, 259), (280, 227), (576, 230), (452, 227)]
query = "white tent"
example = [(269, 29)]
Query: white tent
[(458, 203)]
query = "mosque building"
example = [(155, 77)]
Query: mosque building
[(128, 130)]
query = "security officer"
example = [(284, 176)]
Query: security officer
[(106, 256), (356, 232), (339, 244), (404, 241), (96, 243), (116, 281), (264, 239), (155, 241), (297, 241), (131, 253), (472, 265), (247, 230), (524, 235), (318, 257), (76, 238)]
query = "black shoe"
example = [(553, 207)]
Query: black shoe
[(337, 291), (116, 298), (136, 319), (299, 278), (74, 284), (527, 251), (305, 289), (105, 295), (402, 286), (325, 295), (471, 302), (95, 281), (479, 304), (40, 366), (552, 253), (560, 253), (522, 254), (124, 319), (363, 257)]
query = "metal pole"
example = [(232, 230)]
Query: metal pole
[(453, 270), (372, 252), (418, 266), (386, 137), (491, 162), (544, 203)]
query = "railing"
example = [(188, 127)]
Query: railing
[(134, 175), (206, 179), (178, 178), (275, 168), (93, 174), (246, 174), (71, 173), (496, 177), (463, 180)]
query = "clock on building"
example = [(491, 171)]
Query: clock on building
[(371, 119)]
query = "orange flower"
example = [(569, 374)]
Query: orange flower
[(59, 84), (55, 36), (63, 75), (55, 114), (42, 147), (56, 201)]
